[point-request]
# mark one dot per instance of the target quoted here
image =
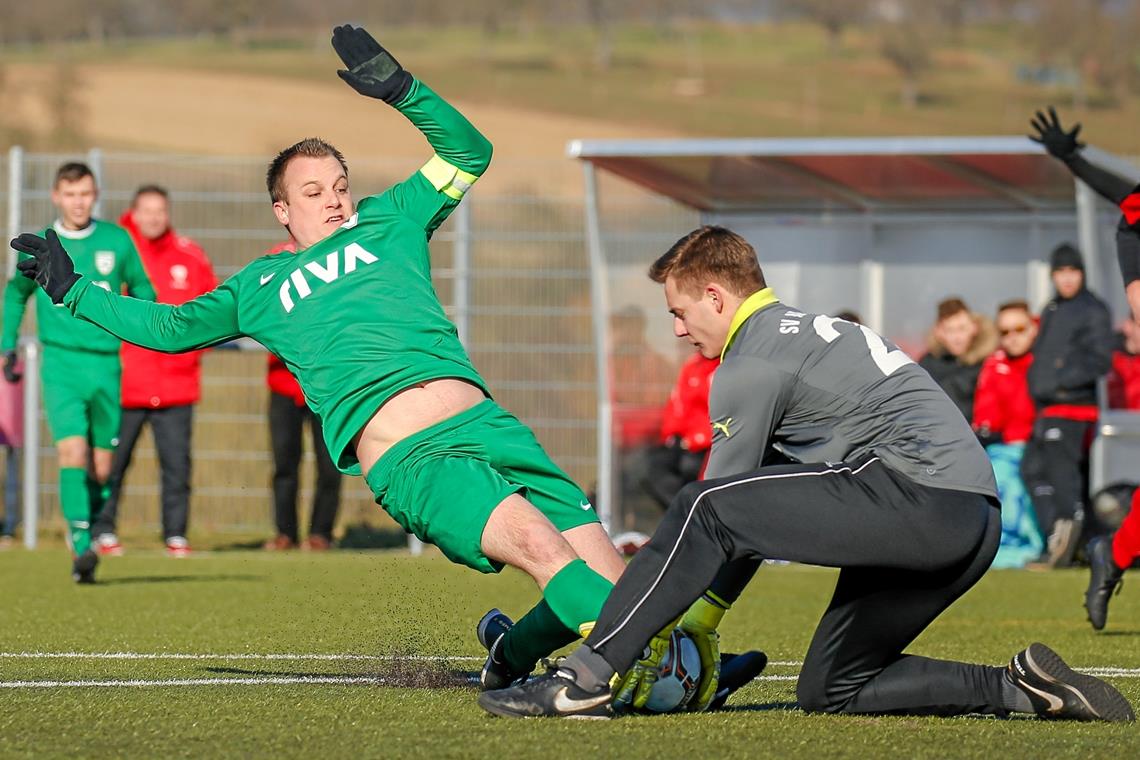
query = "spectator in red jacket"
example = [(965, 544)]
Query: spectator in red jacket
[(288, 413), (1003, 419), (1124, 379), (158, 388), (1003, 408), (686, 433)]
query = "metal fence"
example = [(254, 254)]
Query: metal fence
[(510, 267)]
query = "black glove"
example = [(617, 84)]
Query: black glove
[(372, 70), (10, 372), (50, 266), (1060, 144)]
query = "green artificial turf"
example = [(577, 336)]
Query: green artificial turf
[(216, 606)]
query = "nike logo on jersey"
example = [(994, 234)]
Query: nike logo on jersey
[(337, 264), (723, 427), (266, 278), (586, 506)]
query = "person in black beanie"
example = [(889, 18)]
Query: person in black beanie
[(1072, 352)]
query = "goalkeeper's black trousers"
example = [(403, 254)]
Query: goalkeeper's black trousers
[(906, 552)]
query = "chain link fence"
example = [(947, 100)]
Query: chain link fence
[(510, 267)]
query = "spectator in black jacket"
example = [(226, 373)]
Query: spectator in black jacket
[(1072, 352), (958, 344)]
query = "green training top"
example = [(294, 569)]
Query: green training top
[(354, 317), (104, 252)]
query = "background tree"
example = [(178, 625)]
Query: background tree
[(833, 16)]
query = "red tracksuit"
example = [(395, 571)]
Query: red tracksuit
[(1002, 403), (686, 414), (179, 271), (1126, 542), (1124, 382)]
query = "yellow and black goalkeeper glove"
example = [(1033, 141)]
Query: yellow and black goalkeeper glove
[(700, 623), (632, 689), (371, 70)]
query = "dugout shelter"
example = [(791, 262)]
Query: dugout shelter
[(885, 226)]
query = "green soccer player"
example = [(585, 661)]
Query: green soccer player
[(355, 318), (80, 361)]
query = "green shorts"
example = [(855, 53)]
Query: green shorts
[(81, 395), (442, 483)]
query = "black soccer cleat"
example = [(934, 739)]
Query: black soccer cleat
[(1057, 692), (496, 674), (736, 672), (554, 695), (83, 568), (1104, 579)]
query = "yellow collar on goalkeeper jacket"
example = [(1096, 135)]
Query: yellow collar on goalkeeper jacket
[(759, 300)]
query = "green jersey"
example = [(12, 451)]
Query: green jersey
[(102, 251), (354, 317)]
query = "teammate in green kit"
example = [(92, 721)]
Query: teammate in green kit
[(355, 318), (80, 361)]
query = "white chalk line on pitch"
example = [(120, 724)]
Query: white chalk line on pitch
[(273, 656), (1101, 671)]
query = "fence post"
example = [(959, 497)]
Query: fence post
[(95, 161), (31, 484), (600, 310), (15, 201), (461, 266)]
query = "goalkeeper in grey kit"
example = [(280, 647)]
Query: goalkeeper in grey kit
[(880, 477)]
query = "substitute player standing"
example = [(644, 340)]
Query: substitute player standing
[(80, 361), (888, 483), (1108, 558), (354, 316)]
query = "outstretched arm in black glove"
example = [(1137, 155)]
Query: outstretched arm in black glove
[(372, 70), (49, 265), (1064, 146)]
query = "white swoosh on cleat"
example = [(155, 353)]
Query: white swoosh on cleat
[(1055, 702), (562, 703)]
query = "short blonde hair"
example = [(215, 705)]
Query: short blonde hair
[(711, 254)]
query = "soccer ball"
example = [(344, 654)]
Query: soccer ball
[(677, 676)]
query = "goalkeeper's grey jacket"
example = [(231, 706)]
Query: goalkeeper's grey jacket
[(818, 389)]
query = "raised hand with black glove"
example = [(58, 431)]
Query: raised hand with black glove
[(49, 265), (11, 374), (1064, 146), (1060, 144), (372, 70)]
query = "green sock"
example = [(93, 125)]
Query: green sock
[(576, 595), (536, 635), (75, 502)]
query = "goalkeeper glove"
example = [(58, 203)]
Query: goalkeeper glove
[(1060, 144), (371, 70), (632, 691), (700, 622), (49, 265)]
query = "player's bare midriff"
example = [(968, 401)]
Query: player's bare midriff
[(410, 411)]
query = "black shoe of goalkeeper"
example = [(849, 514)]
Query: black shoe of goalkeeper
[(83, 568), (1057, 692), (1104, 578), (496, 674), (554, 695)]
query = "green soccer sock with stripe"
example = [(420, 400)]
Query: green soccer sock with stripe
[(571, 602), (75, 503)]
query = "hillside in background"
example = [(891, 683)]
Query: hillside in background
[(534, 90)]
